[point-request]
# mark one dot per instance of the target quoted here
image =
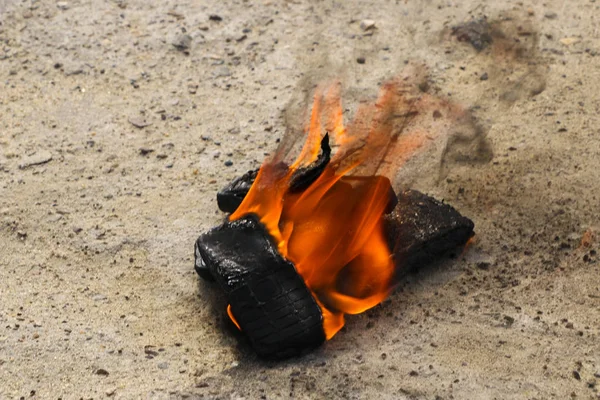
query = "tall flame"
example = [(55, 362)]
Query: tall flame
[(333, 230)]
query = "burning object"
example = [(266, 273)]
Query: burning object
[(311, 240)]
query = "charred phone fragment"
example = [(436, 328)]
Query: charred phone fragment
[(268, 299), (270, 302), (231, 196), (421, 229)]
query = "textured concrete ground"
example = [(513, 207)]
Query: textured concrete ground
[(117, 129)]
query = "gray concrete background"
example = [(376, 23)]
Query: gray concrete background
[(98, 294)]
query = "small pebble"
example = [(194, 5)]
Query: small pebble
[(183, 43), (192, 88), (484, 76), (360, 60), (40, 157), (484, 265), (139, 122), (367, 24), (73, 70), (222, 72), (569, 41), (228, 163)]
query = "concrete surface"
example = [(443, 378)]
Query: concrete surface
[(115, 129)]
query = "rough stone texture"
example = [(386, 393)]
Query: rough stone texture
[(98, 292)]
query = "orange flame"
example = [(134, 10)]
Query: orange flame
[(333, 231)]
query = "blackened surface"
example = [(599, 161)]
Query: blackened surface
[(231, 196), (268, 298), (422, 228), (478, 33), (393, 202), (304, 177)]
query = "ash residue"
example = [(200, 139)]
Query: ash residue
[(477, 32), (467, 144)]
